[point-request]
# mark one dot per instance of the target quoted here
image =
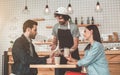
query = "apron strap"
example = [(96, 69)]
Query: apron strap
[(68, 25)]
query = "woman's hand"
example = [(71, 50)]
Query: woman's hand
[(71, 60)]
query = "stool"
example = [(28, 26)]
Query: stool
[(74, 73)]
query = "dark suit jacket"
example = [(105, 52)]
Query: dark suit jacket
[(22, 58)]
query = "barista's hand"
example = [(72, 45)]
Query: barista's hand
[(72, 50), (70, 59), (52, 54), (49, 61)]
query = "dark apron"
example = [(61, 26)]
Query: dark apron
[(66, 40)]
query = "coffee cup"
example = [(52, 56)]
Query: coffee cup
[(66, 52), (57, 60)]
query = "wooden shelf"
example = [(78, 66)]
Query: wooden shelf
[(79, 25), (39, 19), (102, 42), (49, 27), (84, 25), (43, 43), (111, 41)]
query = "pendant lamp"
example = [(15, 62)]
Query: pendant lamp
[(26, 10), (47, 10), (98, 7), (69, 8)]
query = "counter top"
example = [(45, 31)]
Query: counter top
[(52, 66)]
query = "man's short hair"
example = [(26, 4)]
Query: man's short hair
[(29, 24)]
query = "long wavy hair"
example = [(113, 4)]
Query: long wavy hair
[(96, 34)]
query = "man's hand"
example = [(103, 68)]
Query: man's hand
[(71, 60), (49, 61)]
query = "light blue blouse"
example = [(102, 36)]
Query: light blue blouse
[(94, 60)]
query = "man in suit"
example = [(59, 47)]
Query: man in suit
[(24, 53)]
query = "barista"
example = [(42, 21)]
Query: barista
[(67, 33)]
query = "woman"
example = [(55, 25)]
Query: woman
[(94, 59)]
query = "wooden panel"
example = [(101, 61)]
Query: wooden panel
[(10, 62), (114, 73), (114, 67), (46, 71), (113, 58)]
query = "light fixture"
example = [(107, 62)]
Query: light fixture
[(98, 7), (47, 10), (69, 8), (26, 10)]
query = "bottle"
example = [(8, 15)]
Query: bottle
[(88, 20), (76, 21), (81, 20), (92, 20)]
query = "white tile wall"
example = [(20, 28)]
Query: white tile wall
[(12, 18)]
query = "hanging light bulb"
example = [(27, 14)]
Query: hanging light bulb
[(69, 8), (47, 10), (26, 10), (98, 7)]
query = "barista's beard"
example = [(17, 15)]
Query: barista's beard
[(62, 23)]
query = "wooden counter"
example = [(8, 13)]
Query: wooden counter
[(113, 58), (52, 66)]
